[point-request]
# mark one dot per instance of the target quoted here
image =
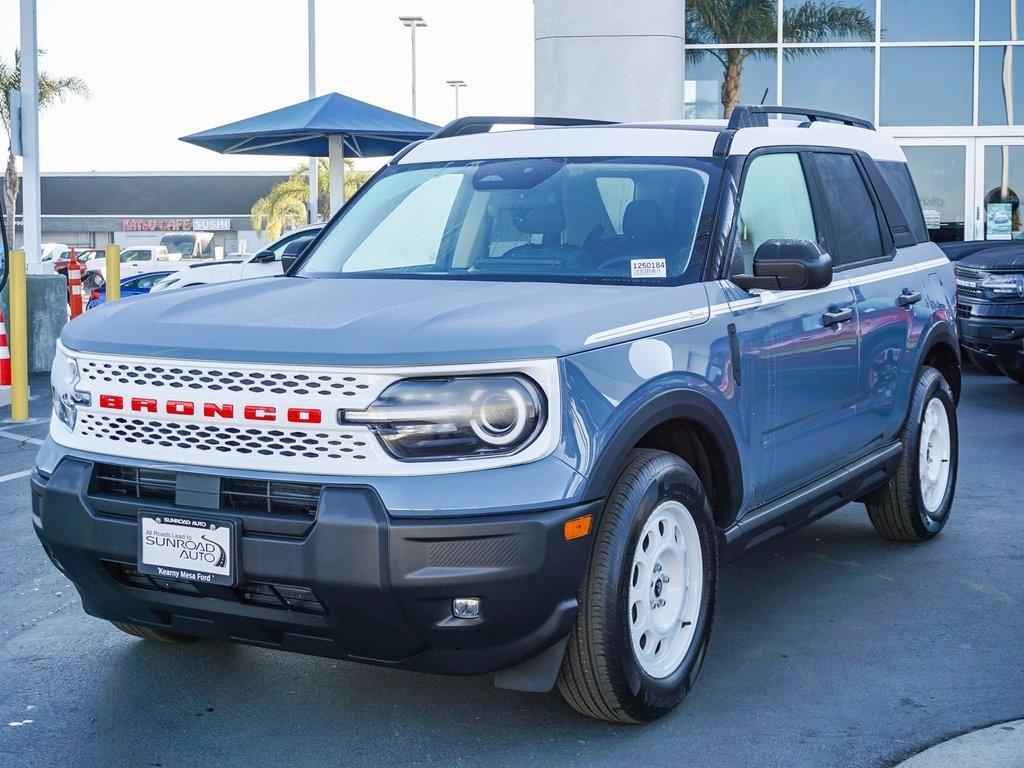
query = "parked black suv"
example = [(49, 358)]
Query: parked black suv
[(990, 308)]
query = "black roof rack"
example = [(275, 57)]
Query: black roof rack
[(466, 125), (757, 116)]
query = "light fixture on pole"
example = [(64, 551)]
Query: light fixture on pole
[(412, 22), (456, 85)]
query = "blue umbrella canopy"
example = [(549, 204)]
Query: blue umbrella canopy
[(302, 129)]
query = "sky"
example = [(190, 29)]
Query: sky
[(161, 70)]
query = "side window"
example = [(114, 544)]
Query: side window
[(774, 204), (897, 176), (856, 235)]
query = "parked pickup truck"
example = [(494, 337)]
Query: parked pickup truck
[(517, 405)]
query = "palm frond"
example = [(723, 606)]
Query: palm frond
[(819, 21)]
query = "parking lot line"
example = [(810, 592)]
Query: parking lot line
[(15, 475), (21, 438), (15, 424)]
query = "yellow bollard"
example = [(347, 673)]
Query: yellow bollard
[(19, 337), (113, 272)]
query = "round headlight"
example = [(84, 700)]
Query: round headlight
[(461, 417)]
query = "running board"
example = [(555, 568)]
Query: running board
[(811, 502)]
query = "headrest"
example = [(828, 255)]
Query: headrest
[(644, 220)]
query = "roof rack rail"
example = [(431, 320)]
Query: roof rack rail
[(757, 116), (466, 125)]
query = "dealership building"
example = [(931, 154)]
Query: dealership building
[(95, 209), (944, 77)]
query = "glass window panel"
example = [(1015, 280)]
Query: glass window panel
[(897, 176), (705, 74), (995, 20), (927, 86), (855, 232), (811, 21), (834, 79), (940, 176), (774, 203), (1003, 183), (999, 95), (713, 22), (906, 20)]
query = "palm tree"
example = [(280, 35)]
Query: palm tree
[(716, 22), (285, 207), (51, 90)]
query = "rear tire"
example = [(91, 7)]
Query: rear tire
[(914, 505), (148, 633), (648, 596)]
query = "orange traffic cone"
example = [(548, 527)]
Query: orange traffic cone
[(75, 285), (5, 356)]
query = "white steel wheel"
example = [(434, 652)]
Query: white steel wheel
[(934, 455), (666, 582)]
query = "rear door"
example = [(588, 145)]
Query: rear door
[(886, 284), (799, 363)]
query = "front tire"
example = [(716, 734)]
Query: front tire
[(914, 505), (985, 364), (647, 599), (1017, 374)]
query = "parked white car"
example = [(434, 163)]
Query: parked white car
[(265, 263)]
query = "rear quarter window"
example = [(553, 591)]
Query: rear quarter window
[(897, 176)]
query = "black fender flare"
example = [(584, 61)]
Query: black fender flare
[(685, 404), (941, 332)]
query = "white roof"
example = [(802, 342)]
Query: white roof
[(669, 139)]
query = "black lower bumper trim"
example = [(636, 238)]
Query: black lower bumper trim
[(357, 585)]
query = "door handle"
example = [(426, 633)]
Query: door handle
[(836, 316), (908, 297)]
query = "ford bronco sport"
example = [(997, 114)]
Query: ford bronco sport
[(517, 404)]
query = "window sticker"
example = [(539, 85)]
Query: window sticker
[(647, 268)]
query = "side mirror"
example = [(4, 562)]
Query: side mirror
[(292, 251), (3, 246), (263, 257), (788, 265)]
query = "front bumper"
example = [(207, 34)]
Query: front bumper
[(1000, 339), (382, 587)]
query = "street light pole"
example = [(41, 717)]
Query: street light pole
[(412, 22), (314, 192), (456, 85), (30, 200)]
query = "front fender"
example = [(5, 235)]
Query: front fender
[(666, 398)]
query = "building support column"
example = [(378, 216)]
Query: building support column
[(609, 60)]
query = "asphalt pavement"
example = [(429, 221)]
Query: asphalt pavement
[(831, 647)]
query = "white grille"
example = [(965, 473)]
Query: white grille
[(238, 416), (226, 379), (244, 441)]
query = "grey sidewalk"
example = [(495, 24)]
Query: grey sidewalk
[(998, 746)]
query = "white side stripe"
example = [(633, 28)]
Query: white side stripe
[(761, 299)]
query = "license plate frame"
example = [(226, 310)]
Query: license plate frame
[(207, 554)]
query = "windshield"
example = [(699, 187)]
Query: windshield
[(581, 220)]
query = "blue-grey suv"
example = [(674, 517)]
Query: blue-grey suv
[(517, 404)]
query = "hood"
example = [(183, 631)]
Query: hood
[(1007, 258), (367, 321)]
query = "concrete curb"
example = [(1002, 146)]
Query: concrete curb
[(998, 746)]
